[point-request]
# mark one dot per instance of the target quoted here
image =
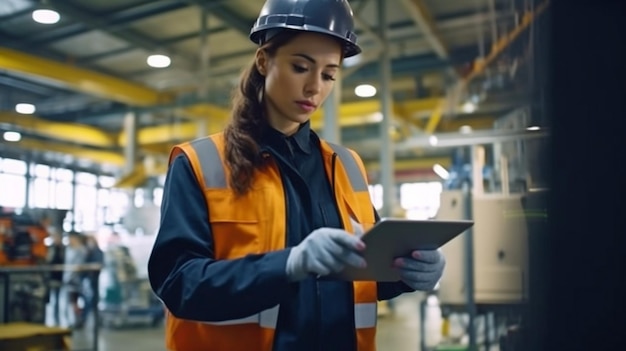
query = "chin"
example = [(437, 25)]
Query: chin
[(300, 118)]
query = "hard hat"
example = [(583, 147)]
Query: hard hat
[(332, 17)]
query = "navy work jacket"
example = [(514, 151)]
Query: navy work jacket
[(314, 314)]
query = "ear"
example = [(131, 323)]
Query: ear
[(260, 60)]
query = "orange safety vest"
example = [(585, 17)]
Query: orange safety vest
[(255, 223)]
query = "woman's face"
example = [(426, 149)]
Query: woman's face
[(298, 79)]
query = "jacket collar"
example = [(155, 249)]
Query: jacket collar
[(278, 140)]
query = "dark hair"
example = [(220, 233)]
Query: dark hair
[(243, 133)]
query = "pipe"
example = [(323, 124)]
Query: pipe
[(387, 148)]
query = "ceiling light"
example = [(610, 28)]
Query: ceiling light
[(533, 128), (46, 16), (432, 140), (12, 136), (465, 129), (25, 109), (469, 107), (440, 171), (365, 90), (159, 61)]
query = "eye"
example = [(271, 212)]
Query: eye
[(299, 69), (327, 76)]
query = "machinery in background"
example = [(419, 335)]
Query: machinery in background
[(22, 239), (23, 296), (500, 249), (484, 292)]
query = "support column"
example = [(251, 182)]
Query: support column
[(387, 147), (205, 54), (332, 129), (130, 149)]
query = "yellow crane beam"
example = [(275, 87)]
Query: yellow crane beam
[(503, 42), (72, 132), (97, 156), (82, 80)]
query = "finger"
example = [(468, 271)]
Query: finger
[(352, 258), (429, 256), (347, 240), (414, 265), (329, 256), (324, 265), (420, 277)]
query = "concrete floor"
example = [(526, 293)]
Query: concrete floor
[(398, 331)]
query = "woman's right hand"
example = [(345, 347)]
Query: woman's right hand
[(325, 251)]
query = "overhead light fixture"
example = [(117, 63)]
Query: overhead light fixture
[(25, 109), (469, 107), (159, 61), (12, 136), (465, 129), (533, 128), (46, 16), (440, 171), (432, 140), (365, 90)]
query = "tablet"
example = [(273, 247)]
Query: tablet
[(395, 237)]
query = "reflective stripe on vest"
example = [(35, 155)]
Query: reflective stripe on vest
[(364, 317), (215, 177)]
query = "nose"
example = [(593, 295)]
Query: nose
[(313, 85)]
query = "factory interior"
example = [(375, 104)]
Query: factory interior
[(446, 105)]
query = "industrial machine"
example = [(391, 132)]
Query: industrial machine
[(499, 249), (23, 287)]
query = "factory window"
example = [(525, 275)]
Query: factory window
[(13, 193), (13, 166), (64, 175), (376, 194), (63, 195), (40, 192), (157, 193), (13, 190), (86, 204), (421, 200), (139, 198), (50, 187)]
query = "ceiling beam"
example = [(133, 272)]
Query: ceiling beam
[(111, 22), (240, 24), (100, 157), (79, 79), (133, 37), (70, 132), (424, 20), (164, 43)]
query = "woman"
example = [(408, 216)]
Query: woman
[(254, 216)]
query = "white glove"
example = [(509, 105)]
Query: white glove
[(422, 270), (324, 251)]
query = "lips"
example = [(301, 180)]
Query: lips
[(306, 105)]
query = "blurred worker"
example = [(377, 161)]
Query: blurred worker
[(90, 278), (253, 216), (55, 257), (75, 256)]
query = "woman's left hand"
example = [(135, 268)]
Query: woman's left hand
[(422, 270)]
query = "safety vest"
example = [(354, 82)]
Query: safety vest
[(261, 228)]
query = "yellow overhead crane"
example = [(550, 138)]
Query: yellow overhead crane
[(72, 137)]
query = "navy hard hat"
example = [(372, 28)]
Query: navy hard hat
[(331, 17)]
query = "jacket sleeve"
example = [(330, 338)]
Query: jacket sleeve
[(389, 290), (181, 268)]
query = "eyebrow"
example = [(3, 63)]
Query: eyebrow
[(312, 60)]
